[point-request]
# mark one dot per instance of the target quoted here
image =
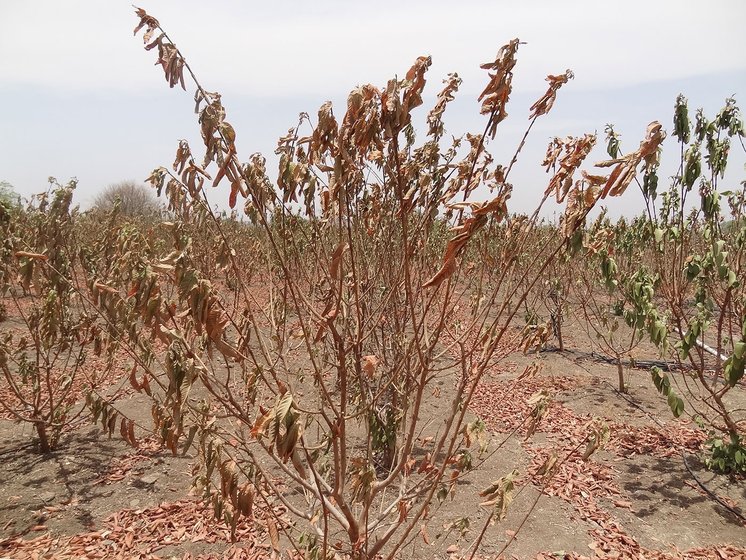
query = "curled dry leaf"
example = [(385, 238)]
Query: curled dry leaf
[(446, 95), (104, 288), (360, 135), (261, 423), (597, 438), (337, 260), (496, 207), (147, 21), (531, 370), (370, 363), (170, 60), (495, 96), (323, 139), (500, 494), (470, 171), (424, 534), (397, 106), (35, 256), (540, 403), (416, 83), (625, 168), (574, 151), (403, 508), (547, 467), (133, 379), (545, 103)]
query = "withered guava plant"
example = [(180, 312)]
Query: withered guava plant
[(42, 358), (364, 278)]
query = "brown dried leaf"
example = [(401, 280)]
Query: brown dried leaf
[(545, 103), (425, 536), (146, 21), (123, 429), (261, 423), (337, 260), (146, 385), (246, 499), (131, 433), (274, 537), (403, 508), (235, 189), (35, 256), (133, 379), (626, 167), (324, 135), (434, 118), (370, 363), (495, 96), (575, 151), (415, 83), (453, 249)]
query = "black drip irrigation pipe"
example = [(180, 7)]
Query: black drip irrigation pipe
[(710, 493), (735, 512), (701, 484), (640, 364), (636, 364)]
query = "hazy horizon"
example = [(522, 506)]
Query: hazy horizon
[(84, 100)]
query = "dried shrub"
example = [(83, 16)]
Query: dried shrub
[(345, 303)]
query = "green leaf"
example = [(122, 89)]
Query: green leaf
[(739, 350), (681, 123), (733, 370), (660, 380), (675, 403), (692, 270), (732, 280)]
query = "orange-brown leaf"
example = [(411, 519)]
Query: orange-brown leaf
[(545, 103), (274, 537), (233, 196), (35, 256), (370, 363), (133, 380), (337, 260), (425, 536), (131, 433), (403, 508)]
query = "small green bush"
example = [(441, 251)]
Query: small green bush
[(727, 457)]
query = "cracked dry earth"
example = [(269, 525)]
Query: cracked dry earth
[(640, 496)]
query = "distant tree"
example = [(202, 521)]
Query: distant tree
[(134, 199), (8, 195)]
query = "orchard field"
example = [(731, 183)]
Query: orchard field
[(372, 356)]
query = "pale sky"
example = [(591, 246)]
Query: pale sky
[(80, 97)]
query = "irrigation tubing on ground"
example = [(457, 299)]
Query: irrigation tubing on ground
[(701, 484)]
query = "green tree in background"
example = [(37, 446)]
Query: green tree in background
[(8, 195)]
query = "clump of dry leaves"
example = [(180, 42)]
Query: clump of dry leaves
[(143, 533)]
